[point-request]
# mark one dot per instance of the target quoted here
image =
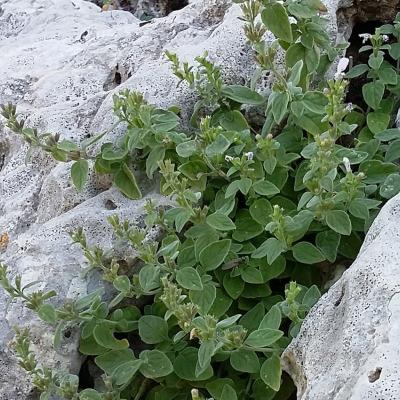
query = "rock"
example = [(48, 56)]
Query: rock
[(65, 60), (347, 347)]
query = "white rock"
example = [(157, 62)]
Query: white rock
[(348, 347)]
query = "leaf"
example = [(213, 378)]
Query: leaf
[(377, 121), (271, 372), (153, 329), (204, 299), (307, 253), (126, 183), (206, 351), (47, 313), (390, 187), (359, 209), (155, 364), (233, 285), (338, 221), (272, 319), (228, 393), (373, 93), (261, 211), (155, 156), (356, 71), (388, 134), (328, 243), (186, 149), (393, 151), (79, 173), (265, 188), (243, 95), (271, 248), (244, 185), (395, 51), (279, 104), (213, 255), (125, 372), (233, 121), (243, 360), (263, 337), (218, 146), (189, 278), (377, 171), (89, 394), (275, 18), (311, 297), (111, 360), (220, 222), (315, 102), (185, 366), (103, 333)]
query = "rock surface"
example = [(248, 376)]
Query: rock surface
[(347, 348), (63, 61)]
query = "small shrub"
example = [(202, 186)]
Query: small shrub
[(257, 209)]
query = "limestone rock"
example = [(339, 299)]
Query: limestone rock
[(347, 348)]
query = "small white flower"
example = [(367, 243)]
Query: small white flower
[(249, 155), (228, 158), (385, 38), (346, 163), (292, 20), (349, 107), (365, 37), (325, 91), (341, 67)]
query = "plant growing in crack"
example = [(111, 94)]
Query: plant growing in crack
[(258, 212)]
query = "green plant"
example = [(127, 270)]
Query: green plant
[(256, 209)]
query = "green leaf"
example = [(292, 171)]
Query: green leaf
[(47, 313), (218, 146), (272, 319), (395, 51), (377, 171), (328, 243), (220, 222), (338, 221), (189, 278), (125, 372), (271, 248), (104, 335), (373, 93), (390, 187), (245, 361), (216, 386), (155, 156), (271, 372), (356, 71), (261, 211), (204, 299), (153, 329), (263, 337), (79, 173), (206, 351), (233, 285), (393, 151), (276, 20), (89, 394), (388, 134), (244, 185), (359, 209), (315, 102), (111, 360), (186, 149), (213, 255), (155, 364), (233, 121), (126, 183), (307, 253), (242, 94), (185, 366), (279, 104), (377, 121), (295, 53), (311, 297), (228, 393), (265, 188)]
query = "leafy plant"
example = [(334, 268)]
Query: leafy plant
[(257, 209)]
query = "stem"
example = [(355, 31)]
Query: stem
[(141, 390)]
